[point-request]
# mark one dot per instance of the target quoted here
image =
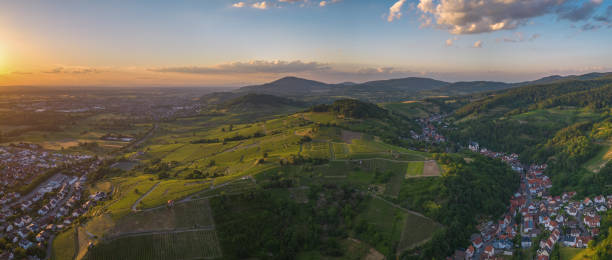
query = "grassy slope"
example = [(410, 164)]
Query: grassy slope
[(174, 142), (64, 246)]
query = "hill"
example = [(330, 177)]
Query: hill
[(564, 123), (289, 86), (352, 108)]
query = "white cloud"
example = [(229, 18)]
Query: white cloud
[(260, 5), (238, 5), (479, 16), (395, 11), (519, 37), (449, 42), (478, 44), (323, 3)]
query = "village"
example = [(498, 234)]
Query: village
[(28, 222), (21, 163), (429, 132), (535, 218)]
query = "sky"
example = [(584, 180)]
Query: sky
[(242, 42)]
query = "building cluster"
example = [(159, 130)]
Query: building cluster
[(511, 159), (21, 163), (429, 131), (29, 221), (554, 219)]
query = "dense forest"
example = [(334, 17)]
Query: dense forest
[(261, 225), (467, 192)]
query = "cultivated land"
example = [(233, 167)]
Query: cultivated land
[(234, 159)]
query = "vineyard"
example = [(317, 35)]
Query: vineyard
[(201, 244)]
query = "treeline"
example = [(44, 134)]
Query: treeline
[(594, 99), (528, 95), (467, 192), (238, 137)]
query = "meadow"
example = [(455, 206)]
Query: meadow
[(64, 247)]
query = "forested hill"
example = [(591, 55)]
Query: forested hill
[(259, 101), (570, 92), (353, 108), (566, 124)]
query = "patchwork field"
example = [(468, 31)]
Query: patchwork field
[(191, 214), (417, 230), (197, 244)]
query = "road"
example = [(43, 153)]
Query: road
[(143, 139), (135, 205)]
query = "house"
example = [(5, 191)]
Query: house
[(601, 208), (41, 236), (599, 200), (587, 202), (560, 218), (572, 211), (489, 251), (25, 244), (477, 242), (592, 222), (526, 242), (569, 241), (469, 253), (22, 233)]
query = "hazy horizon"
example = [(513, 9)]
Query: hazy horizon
[(238, 43)]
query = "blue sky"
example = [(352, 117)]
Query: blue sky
[(221, 42)]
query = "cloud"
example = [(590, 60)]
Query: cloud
[(395, 11), (606, 17), (576, 13), (263, 5), (238, 5), (481, 16), (590, 27), (519, 37), (478, 44), (323, 3), (250, 67), (73, 70), (449, 42)]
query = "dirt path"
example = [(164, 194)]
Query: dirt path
[(400, 207), (142, 197)]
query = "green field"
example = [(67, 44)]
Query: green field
[(569, 253), (414, 169), (171, 190), (556, 116), (128, 190), (64, 246), (416, 230), (183, 215), (387, 221), (601, 158), (179, 245)]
